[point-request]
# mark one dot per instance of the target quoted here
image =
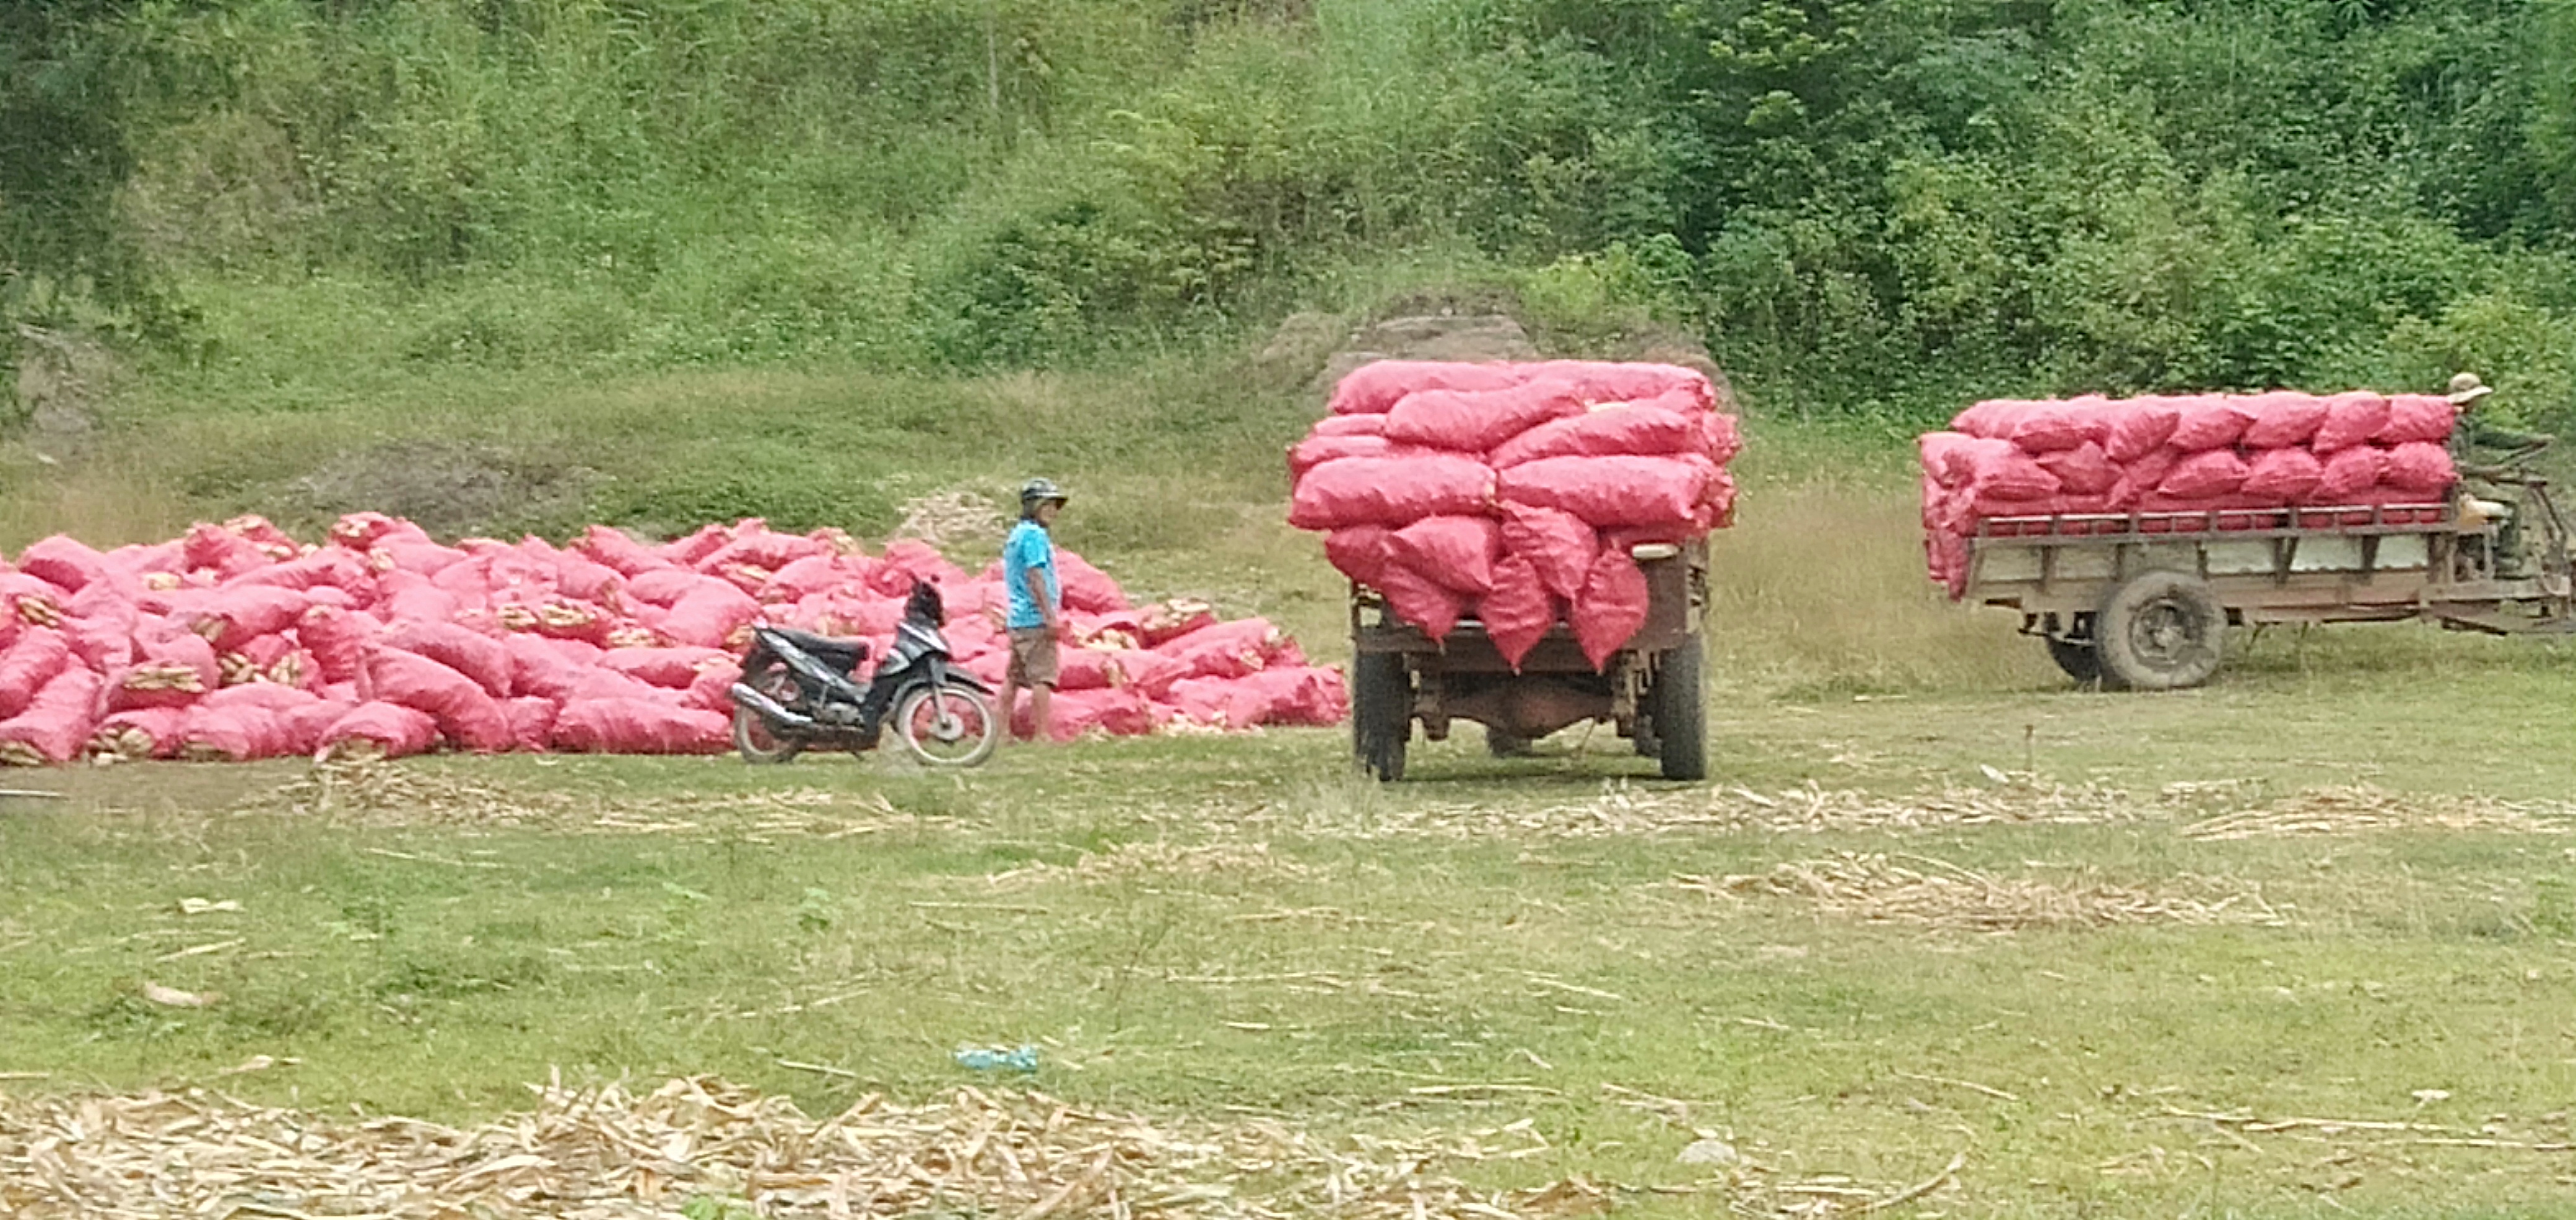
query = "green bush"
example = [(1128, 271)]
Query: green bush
[(1870, 209)]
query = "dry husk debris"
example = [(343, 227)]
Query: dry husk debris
[(2232, 809), (1157, 858), (700, 1144), (950, 518), (606, 1153), (1621, 808), (2336, 1153), (1878, 889), (2361, 809), (387, 794)]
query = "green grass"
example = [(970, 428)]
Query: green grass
[(1326, 952), (1335, 946)]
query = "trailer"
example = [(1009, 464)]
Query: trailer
[(2142, 601), (1650, 690)]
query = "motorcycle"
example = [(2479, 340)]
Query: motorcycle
[(800, 691)]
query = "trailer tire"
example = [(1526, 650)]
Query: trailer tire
[(1679, 710), (1505, 745), (1381, 713), (2159, 631)]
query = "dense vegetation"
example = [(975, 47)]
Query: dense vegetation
[(1873, 208)]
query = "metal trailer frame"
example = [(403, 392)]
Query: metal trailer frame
[(2066, 573), (1650, 690)]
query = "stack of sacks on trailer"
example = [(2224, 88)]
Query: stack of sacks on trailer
[(238, 642), (2250, 461), (1513, 494)]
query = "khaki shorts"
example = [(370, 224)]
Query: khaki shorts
[(1032, 657)]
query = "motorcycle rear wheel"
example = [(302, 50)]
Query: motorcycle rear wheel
[(752, 737), (947, 726)]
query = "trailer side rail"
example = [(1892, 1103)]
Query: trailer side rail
[(2075, 529)]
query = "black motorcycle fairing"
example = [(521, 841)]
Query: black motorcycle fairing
[(813, 671), (831, 704), (829, 648), (914, 640)]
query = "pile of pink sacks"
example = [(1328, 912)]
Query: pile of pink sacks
[(1513, 494), (2238, 461), (238, 642)]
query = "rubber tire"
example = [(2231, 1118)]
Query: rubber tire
[(2160, 631), (1381, 713), (747, 721), (1680, 710), (2079, 658), (911, 702), (1504, 745)]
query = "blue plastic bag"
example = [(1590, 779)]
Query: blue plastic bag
[(994, 1058)]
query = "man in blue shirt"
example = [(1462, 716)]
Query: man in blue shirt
[(1036, 614)]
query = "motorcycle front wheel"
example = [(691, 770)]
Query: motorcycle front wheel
[(947, 726), (752, 737)]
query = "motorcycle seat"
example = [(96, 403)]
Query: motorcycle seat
[(824, 646)]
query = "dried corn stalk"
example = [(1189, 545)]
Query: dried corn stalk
[(164, 677), (1158, 858), (1876, 889), (2362, 809), (604, 1153)]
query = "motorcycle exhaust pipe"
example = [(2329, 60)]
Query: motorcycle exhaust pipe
[(770, 709)]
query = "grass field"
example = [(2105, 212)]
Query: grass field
[(2301, 943), (1187, 926)]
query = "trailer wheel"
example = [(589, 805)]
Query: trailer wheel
[(1505, 745), (1381, 713), (1680, 712), (2160, 631), (2079, 658)]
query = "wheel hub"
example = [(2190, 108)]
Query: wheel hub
[(2164, 632)]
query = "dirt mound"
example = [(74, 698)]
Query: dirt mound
[(450, 488), (1466, 337), (61, 379), (1877, 889), (957, 519)]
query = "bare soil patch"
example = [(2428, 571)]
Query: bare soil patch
[(960, 518), (451, 488), (62, 380)]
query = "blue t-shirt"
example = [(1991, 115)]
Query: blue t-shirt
[(1028, 548)]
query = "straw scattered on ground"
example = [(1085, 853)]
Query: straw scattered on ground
[(1933, 893), (2332, 1153), (381, 794), (1157, 858), (1621, 808), (952, 518), (2364, 809), (2211, 809), (606, 1154)]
